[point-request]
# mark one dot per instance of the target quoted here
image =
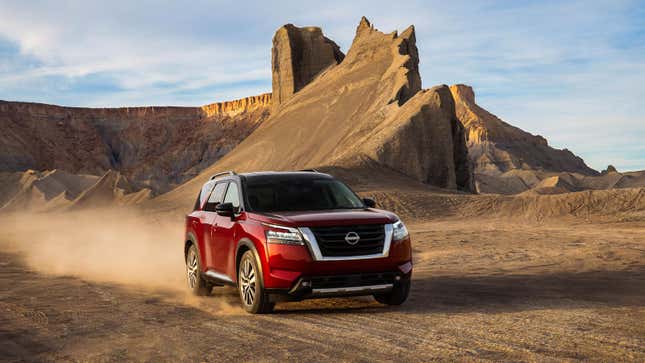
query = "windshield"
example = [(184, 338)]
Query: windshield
[(294, 194)]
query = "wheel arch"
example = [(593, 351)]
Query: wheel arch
[(243, 245), (191, 240)]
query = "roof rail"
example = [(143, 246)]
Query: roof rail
[(228, 172), (310, 170)]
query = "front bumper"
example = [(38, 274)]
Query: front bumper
[(309, 287), (286, 265)]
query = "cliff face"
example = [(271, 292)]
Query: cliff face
[(297, 57), (236, 107), (154, 147), (496, 147)]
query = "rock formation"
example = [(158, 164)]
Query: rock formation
[(610, 169), (236, 107), (367, 114), (496, 147), (154, 147), (297, 57), (111, 189), (506, 159), (39, 189)]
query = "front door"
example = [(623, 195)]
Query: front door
[(223, 234), (209, 221)]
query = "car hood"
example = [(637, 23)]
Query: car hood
[(334, 217)]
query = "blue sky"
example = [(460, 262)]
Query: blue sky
[(572, 71)]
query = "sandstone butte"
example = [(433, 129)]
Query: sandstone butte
[(367, 113)]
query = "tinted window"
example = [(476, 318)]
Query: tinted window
[(294, 194), (215, 197), (232, 195)]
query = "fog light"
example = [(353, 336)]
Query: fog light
[(397, 278), (305, 283)]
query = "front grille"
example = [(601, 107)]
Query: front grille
[(332, 243), (364, 279)]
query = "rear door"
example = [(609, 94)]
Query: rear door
[(223, 234), (209, 222)]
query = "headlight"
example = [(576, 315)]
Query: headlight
[(399, 231), (283, 235)]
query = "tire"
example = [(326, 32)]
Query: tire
[(196, 282), (397, 296), (251, 287)]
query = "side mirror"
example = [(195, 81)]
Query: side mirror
[(225, 209), (369, 202)]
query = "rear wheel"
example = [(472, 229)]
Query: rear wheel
[(196, 282), (249, 282), (397, 295)]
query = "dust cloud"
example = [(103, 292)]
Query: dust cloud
[(108, 245)]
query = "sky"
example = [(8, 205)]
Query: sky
[(572, 71)]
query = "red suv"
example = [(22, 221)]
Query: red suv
[(281, 236)]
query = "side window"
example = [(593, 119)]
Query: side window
[(232, 195), (215, 197)]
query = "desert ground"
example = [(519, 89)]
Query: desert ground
[(108, 286)]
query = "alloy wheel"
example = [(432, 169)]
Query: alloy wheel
[(247, 282), (192, 269)]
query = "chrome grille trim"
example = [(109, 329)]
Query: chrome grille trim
[(317, 255)]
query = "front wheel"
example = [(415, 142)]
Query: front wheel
[(397, 295), (249, 282)]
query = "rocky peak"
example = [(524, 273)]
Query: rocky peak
[(403, 67), (297, 57), (363, 26)]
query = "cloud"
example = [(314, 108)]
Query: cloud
[(548, 67), (135, 45)]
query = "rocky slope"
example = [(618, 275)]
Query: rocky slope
[(496, 147), (543, 182), (58, 190), (367, 114), (154, 147)]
